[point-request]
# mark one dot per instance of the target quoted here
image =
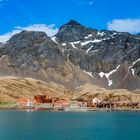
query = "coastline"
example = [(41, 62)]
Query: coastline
[(62, 110)]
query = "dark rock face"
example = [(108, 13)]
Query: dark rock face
[(100, 51), (28, 47), (1, 44), (30, 54), (73, 31), (34, 54), (76, 51)]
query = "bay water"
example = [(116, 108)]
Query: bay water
[(43, 125)]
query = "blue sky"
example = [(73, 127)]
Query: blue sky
[(121, 15)]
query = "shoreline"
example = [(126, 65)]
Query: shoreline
[(62, 110)]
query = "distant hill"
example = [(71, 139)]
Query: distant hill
[(12, 88)]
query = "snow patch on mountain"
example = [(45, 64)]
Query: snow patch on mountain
[(130, 68), (74, 43), (64, 44), (107, 75), (90, 35), (54, 39), (89, 73), (90, 49), (90, 41), (101, 33)]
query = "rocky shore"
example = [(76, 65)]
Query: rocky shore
[(56, 109)]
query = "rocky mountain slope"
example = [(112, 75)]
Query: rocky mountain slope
[(74, 56)]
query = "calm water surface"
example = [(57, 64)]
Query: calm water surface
[(22, 125)]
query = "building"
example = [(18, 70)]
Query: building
[(54, 101), (25, 102), (42, 99), (60, 103), (95, 101), (29, 104)]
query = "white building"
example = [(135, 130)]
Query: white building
[(95, 101), (30, 103)]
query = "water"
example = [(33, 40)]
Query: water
[(22, 125)]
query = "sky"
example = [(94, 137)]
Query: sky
[(49, 15)]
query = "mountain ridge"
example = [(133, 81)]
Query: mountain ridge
[(75, 55)]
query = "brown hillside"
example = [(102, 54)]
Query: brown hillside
[(12, 88)]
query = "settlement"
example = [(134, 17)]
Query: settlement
[(44, 102)]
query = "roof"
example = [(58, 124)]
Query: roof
[(21, 100)]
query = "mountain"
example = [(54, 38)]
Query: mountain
[(109, 55), (75, 56), (73, 31), (1, 44)]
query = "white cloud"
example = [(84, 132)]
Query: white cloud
[(125, 25), (49, 30)]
